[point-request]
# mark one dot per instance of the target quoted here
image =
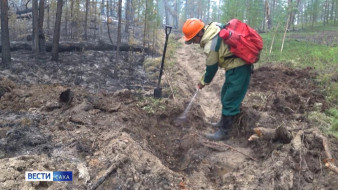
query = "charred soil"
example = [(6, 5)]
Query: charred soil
[(112, 127)]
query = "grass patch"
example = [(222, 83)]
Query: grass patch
[(333, 113), (151, 105)]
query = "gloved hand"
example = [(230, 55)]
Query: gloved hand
[(200, 85)]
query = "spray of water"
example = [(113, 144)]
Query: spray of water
[(183, 116)]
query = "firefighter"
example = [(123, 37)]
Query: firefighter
[(237, 72)]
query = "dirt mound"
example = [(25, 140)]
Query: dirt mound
[(292, 91)]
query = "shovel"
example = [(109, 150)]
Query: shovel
[(183, 116), (158, 89)]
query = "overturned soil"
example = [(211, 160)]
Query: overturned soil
[(106, 122)]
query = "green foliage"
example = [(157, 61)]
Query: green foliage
[(151, 105), (334, 125), (233, 9)]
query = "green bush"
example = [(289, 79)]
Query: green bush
[(334, 126)]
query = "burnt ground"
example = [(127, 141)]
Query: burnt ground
[(110, 122), (328, 38)]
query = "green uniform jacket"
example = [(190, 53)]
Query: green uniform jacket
[(222, 58)]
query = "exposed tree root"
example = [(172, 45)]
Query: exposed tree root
[(331, 166), (285, 136), (329, 161), (280, 133)]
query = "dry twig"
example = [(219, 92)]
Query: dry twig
[(116, 163)]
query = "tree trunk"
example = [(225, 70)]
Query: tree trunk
[(66, 19), (42, 39), (71, 18), (78, 46), (332, 9), (110, 11), (48, 19), (166, 12), (35, 35), (111, 41), (119, 12), (102, 7), (186, 9), (56, 36), (145, 25), (208, 17), (100, 23), (290, 13), (95, 13), (267, 14), (273, 38), (177, 13), (86, 20), (126, 29), (5, 49), (286, 28)]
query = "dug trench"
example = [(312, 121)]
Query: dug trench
[(124, 139)]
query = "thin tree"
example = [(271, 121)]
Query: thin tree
[(267, 14), (56, 36), (48, 20), (95, 13), (286, 29), (111, 41), (145, 24), (66, 18), (166, 11), (71, 18), (86, 19), (119, 12), (42, 39), (5, 48), (128, 16), (35, 45), (273, 38)]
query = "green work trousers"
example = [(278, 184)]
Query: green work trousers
[(234, 89)]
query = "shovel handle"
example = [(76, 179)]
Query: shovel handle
[(167, 30)]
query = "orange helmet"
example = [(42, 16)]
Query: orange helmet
[(191, 27)]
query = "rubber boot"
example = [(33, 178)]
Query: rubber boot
[(219, 123), (222, 133)]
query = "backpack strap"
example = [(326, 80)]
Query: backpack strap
[(219, 39), (218, 44)]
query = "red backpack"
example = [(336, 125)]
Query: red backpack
[(244, 42)]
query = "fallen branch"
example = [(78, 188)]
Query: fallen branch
[(214, 144), (77, 46), (116, 163)]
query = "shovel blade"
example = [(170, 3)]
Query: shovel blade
[(158, 92)]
